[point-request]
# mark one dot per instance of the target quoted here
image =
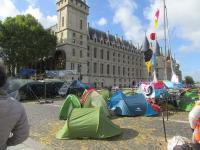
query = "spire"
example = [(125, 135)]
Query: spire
[(157, 49), (145, 45), (161, 51), (168, 55)]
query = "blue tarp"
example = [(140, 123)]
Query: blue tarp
[(25, 72), (130, 105)]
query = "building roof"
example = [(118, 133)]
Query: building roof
[(145, 45), (107, 37), (158, 53)]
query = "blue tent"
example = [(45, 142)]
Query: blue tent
[(131, 105)]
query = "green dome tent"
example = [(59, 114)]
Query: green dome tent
[(105, 93), (70, 103), (92, 99), (88, 123), (186, 104)]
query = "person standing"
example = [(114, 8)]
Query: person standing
[(194, 120), (14, 128)]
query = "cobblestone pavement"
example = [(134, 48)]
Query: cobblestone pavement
[(139, 133)]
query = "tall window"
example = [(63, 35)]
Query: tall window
[(108, 69), (81, 24), (123, 71), (88, 66), (119, 70), (73, 52), (81, 54), (74, 34), (95, 68), (81, 37), (79, 68), (113, 70), (61, 37), (95, 52), (62, 21), (101, 68), (101, 53), (72, 66), (128, 71), (88, 51), (108, 55)]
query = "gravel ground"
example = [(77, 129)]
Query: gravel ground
[(139, 133)]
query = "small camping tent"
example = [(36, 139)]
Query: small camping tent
[(70, 103), (105, 93), (131, 105), (88, 123), (92, 99)]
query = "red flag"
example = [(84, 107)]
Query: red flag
[(157, 14), (153, 36)]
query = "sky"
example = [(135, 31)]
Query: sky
[(131, 19)]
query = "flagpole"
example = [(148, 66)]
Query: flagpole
[(165, 40), (169, 43)]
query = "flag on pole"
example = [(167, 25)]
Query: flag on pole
[(156, 23), (148, 65), (157, 13), (156, 18)]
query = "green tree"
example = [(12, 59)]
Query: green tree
[(189, 80), (24, 41)]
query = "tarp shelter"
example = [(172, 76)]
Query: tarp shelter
[(76, 87), (88, 123), (130, 105), (69, 104), (26, 72), (30, 89), (92, 99)]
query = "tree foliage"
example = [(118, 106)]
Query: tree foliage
[(189, 80), (24, 41)]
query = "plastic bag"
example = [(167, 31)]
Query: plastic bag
[(176, 141)]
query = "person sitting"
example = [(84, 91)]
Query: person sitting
[(14, 128)]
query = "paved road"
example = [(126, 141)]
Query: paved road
[(138, 132)]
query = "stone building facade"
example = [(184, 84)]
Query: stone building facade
[(98, 57)]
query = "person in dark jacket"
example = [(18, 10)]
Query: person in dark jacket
[(14, 128)]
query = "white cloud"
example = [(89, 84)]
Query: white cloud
[(183, 17), (124, 15), (7, 8), (102, 21), (46, 21)]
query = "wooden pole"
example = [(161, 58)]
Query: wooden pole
[(163, 119)]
